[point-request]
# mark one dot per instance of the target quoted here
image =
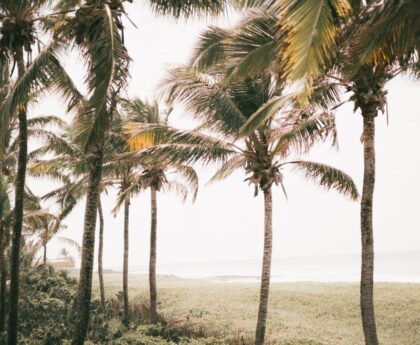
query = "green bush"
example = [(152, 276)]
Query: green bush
[(45, 306), (46, 309)]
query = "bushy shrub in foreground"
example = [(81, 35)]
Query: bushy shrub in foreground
[(46, 309), (45, 306)]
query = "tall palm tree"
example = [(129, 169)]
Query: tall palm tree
[(21, 23), (155, 176), (259, 131), (336, 27), (95, 29), (5, 185), (316, 41), (70, 165), (5, 220)]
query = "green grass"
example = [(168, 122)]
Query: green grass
[(299, 313)]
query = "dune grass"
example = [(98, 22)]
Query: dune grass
[(300, 313)]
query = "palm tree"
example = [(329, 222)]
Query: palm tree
[(259, 131), (154, 176), (5, 207), (337, 26), (69, 164), (5, 220), (21, 21), (306, 41), (94, 28), (9, 159)]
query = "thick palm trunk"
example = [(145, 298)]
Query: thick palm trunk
[(125, 264), (3, 272), (100, 252), (366, 210), (18, 213), (85, 279), (266, 268), (152, 262)]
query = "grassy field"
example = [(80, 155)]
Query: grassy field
[(299, 313)]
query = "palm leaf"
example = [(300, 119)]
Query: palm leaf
[(327, 177), (210, 50), (303, 134), (45, 72), (265, 113), (188, 8), (228, 168), (314, 28)]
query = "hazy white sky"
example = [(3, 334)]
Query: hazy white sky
[(226, 222)]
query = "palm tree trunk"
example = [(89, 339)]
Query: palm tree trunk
[(18, 212), (86, 268), (366, 281), (3, 295), (100, 252), (266, 267), (152, 261), (3, 272), (125, 264), (44, 256)]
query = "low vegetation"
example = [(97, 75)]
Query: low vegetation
[(203, 312)]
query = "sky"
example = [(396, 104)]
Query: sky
[(226, 221)]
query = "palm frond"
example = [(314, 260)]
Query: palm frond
[(184, 154), (177, 188), (188, 8), (45, 120), (265, 113), (189, 177), (205, 98), (388, 32), (210, 50), (314, 28), (108, 66), (255, 46), (327, 177), (45, 72), (228, 168), (303, 134)]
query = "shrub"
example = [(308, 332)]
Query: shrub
[(46, 305), (47, 309)]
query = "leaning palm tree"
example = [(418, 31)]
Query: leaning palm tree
[(156, 176), (94, 27), (63, 158), (259, 129)]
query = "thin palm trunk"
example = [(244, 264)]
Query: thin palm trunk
[(100, 252), (152, 262), (366, 210), (18, 212), (86, 268), (266, 268), (44, 256), (125, 268), (3, 272)]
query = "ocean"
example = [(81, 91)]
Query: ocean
[(389, 267)]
